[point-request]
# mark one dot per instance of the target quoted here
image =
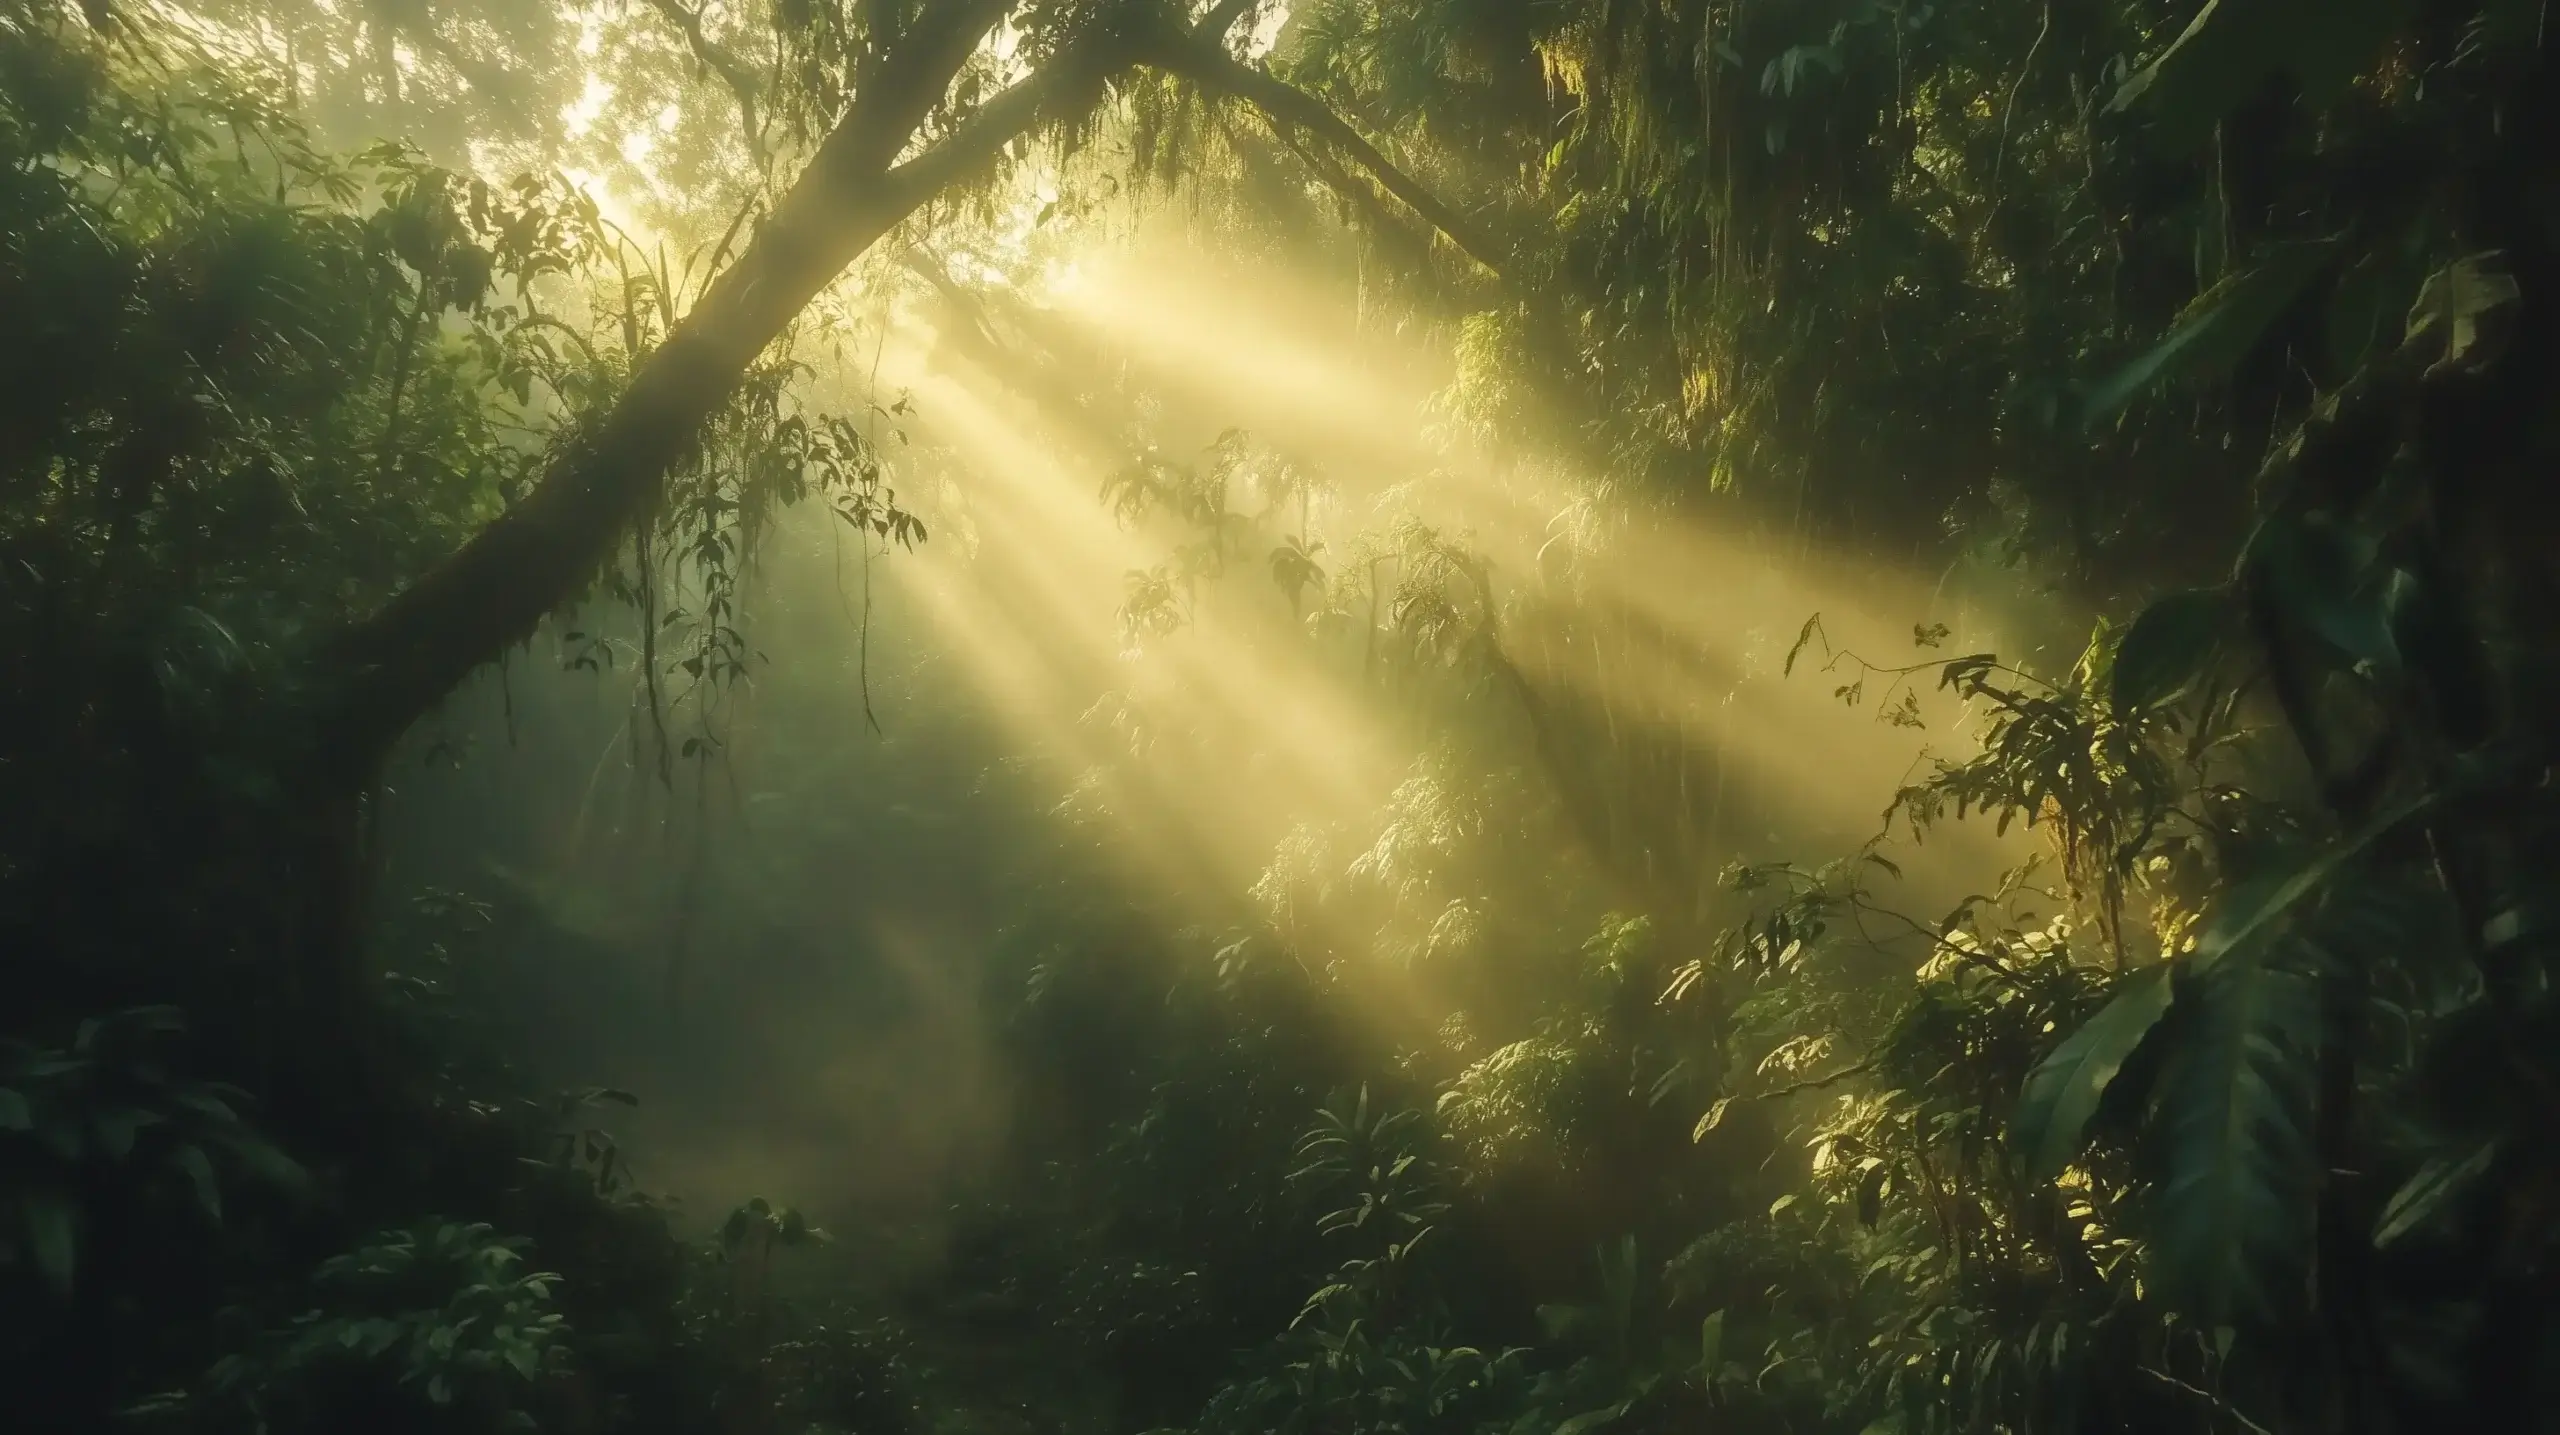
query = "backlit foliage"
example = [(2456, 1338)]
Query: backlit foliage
[(1374, 922)]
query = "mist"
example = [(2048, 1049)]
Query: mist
[(801, 942), (1223, 717)]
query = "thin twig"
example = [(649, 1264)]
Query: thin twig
[(1983, 960), (2008, 111), (2221, 1406)]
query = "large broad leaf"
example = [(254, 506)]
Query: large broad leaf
[(2231, 47), (2216, 331), (2462, 309), (2065, 1088), (2440, 1183), (2331, 578), (2234, 1209), (2207, 71), (2166, 648), (2253, 909)]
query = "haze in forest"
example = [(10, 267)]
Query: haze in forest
[(1278, 717), (1191, 758)]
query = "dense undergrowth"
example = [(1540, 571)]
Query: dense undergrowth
[(1567, 1089)]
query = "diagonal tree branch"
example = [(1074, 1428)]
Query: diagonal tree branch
[(386, 671), (737, 74), (1214, 26), (1393, 228), (391, 668), (916, 71), (1288, 107)]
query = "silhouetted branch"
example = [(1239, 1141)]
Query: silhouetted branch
[(734, 72), (1287, 106)]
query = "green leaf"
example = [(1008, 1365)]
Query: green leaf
[(2166, 648), (2330, 578), (191, 1159), (1590, 1420), (1562, 1322), (2227, 52), (2532, 919), (2459, 309), (118, 1129), (1713, 1118), (2207, 70), (2251, 909), (2233, 1210), (14, 1115), (1871, 1194), (1711, 1344), (265, 1162), (52, 1236), (206, 1103), (2420, 1199), (2064, 1090), (2215, 331)]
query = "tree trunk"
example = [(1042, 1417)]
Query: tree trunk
[(392, 668), (386, 672)]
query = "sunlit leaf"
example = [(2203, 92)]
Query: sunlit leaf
[(2459, 310), (1713, 1118)]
